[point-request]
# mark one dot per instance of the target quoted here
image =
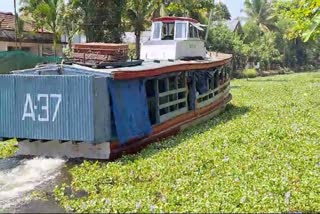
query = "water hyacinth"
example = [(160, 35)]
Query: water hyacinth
[(267, 166)]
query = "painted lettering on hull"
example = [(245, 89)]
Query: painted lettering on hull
[(40, 110)]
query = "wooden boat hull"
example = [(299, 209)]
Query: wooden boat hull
[(113, 150)]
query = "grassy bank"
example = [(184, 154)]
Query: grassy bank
[(261, 155)]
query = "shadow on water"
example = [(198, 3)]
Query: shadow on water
[(231, 112)]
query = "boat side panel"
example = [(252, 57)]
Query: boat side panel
[(52, 108)]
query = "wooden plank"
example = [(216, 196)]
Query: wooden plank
[(172, 92), (204, 95), (166, 105), (126, 75), (156, 89), (209, 102), (173, 114)]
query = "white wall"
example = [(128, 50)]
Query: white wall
[(78, 38)]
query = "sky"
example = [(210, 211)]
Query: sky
[(234, 6)]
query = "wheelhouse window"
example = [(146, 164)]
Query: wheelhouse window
[(181, 30), (167, 31), (156, 35), (193, 31)]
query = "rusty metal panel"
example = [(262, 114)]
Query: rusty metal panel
[(54, 108)]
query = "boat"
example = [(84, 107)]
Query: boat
[(98, 109)]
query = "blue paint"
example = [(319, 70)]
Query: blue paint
[(29, 108)]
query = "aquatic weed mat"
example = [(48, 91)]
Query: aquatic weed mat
[(261, 155), (8, 148)]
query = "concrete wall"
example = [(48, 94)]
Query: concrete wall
[(35, 48)]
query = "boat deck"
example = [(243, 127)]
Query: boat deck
[(152, 68)]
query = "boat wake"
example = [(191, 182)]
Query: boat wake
[(20, 177)]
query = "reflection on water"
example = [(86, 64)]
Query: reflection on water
[(18, 178)]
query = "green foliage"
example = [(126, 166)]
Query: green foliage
[(71, 21), (101, 19), (138, 12), (190, 8), (8, 148), (262, 13), (45, 13), (221, 11), (305, 15), (250, 73), (261, 155), (220, 39)]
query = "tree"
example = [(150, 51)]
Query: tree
[(221, 11), (221, 39), (102, 19), (20, 30), (305, 14), (138, 13), (191, 8), (71, 21), (262, 13), (45, 13), (159, 9), (28, 9)]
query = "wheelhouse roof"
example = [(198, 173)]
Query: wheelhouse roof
[(167, 19)]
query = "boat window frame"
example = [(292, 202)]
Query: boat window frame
[(187, 30), (153, 31)]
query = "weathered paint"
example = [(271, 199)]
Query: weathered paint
[(71, 108)]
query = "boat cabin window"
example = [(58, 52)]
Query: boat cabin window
[(178, 30), (156, 26), (193, 31), (167, 31), (181, 30)]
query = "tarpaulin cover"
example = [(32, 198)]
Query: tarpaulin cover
[(202, 81), (130, 109)]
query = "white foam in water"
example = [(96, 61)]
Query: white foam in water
[(26, 177)]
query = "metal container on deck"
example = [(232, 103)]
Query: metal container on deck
[(65, 108)]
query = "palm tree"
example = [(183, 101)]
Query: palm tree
[(45, 13), (138, 12), (262, 13), (71, 21)]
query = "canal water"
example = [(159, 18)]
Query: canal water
[(19, 178)]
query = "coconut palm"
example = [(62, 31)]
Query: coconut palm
[(45, 13), (138, 13), (262, 13)]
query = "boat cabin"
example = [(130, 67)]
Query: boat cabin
[(174, 38)]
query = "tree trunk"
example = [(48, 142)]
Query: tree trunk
[(138, 46), (55, 43), (70, 38)]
